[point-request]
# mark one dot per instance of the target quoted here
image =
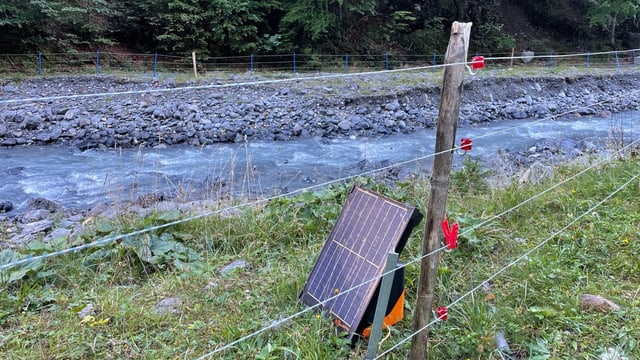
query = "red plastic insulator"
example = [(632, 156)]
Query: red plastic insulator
[(466, 144), (450, 234), (442, 313), (477, 63)]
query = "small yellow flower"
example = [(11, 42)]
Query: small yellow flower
[(317, 316), (87, 319), (99, 322), (573, 191), (92, 322), (625, 240)]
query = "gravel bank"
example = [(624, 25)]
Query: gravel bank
[(152, 115)]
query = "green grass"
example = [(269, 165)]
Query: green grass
[(535, 302)]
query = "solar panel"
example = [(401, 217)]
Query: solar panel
[(367, 229)]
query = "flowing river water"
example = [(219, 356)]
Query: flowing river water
[(82, 179)]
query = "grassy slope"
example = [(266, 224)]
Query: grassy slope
[(535, 302)]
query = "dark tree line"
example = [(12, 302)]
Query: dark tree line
[(239, 27)]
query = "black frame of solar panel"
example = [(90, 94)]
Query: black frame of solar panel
[(369, 226)]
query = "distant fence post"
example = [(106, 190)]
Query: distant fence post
[(295, 70), (39, 63), (588, 59), (550, 63), (433, 62), (513, 52), (386, 61), (346, 63), (617, 61), (633, 55), (155, 65), (195, 66), (97, 62), (251, 64)]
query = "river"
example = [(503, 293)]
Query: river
[(82, 179)]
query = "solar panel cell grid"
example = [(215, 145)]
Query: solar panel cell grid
[(367, 229)]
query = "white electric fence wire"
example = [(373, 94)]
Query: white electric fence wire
[(208, 214), (277, 323), (517, 260), (524, 202), (221, 86), (294, 79), (280, 322), (559, 56), (291, 193)]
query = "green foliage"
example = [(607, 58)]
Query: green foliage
[(12, 275), (471, 178), (225, 27), (180, 26), (533, 302), (609, 14), (491, 38)]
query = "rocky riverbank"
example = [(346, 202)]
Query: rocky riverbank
[(151, 115), (138, 113)]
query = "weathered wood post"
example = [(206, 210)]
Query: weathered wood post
[(450, 100), (195, 66), (513, 52)]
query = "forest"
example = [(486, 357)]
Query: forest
[(240, 27)]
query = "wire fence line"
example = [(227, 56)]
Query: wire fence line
[(279, 322), (288, 194), (220, 86), (517, 260), (212, 213), (105, 62)]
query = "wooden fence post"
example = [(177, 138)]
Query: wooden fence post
[(513, 52), (450, 100), (195, 66)]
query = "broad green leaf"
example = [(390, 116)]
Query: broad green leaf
[(169, 216), (103, 226)]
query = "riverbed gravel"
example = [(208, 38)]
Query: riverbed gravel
[(116, 112)]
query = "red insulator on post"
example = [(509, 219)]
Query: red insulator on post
[(477, 63), (466, 144), (450, 234), (442, 313)]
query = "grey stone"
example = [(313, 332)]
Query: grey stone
[(34, 215), (43, 137), (9, 142), (55, 133), (57, 234), (166, 305), (70, 115), (235, 265), (345, 125), (36, 227), (590, 303), (88, 310), (31, 122), (45, 204), (5, 206), (393, 106), (537, 173)]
